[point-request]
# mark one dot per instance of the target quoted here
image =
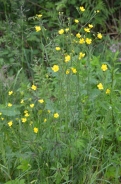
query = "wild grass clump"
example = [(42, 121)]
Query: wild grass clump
[(60, 112)]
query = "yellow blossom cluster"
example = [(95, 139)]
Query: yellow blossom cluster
[(100, 86), (66, 57), (26, 117), (74, 71), (88, 41)]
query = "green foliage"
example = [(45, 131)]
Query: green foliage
[(109, 16), (16, 182), (60, 115), (9, 112)]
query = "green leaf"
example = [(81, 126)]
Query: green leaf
[(24, 165), (9, 111), (16, 181)]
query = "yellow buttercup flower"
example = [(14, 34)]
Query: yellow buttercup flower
[(82, 8), (25, 111), (10, 92), (100, 86), (107, 91), (99, 35), (78, 35), (86, 29), (81, 55), (35, 130), (26, 114), (56, 115), (39, 15), (74, 70), (90, 25), (57, 48), (76, 21), (9, 104), (67, 58), (34, 87), (0, 113), (31, 105), (10, 123), (88, 41), (67, 71), (23, 120), (41, 101), (55, 68), (104, 67), (37, 28), (82, 41), (61, 31)]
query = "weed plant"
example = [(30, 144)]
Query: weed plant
[(62, 125)]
